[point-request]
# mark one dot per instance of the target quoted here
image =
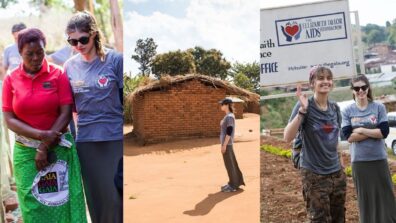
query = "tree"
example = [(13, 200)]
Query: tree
[(210, 62), (145, 51), (80, 5), (250, 70), (173, 63), (242, 81), (116, 25), (5, 3), (373, 34)]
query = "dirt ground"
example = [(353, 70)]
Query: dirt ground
[(281, 197), (179, 181)]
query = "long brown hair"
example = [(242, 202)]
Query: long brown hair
[(86, 22), (231, 107), (363, 78)]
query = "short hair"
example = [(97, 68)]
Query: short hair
[(30, 35), (316, 70), (18, 27)]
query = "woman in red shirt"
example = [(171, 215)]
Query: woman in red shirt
[(37, 104)]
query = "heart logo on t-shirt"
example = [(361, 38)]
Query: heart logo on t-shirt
[(103, 81), (327, 128), (373, 119)]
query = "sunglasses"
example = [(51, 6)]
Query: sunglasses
[(83, 40), (357, 89)]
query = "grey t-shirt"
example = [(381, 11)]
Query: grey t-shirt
[(228, 120), (369, 149), (61, 56), (319, 134), (95, 87), (11, 57)]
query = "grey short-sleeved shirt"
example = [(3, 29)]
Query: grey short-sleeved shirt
[(319, 134), (228, 120), (61, 56), (11, 57), (96, 89), (369, 149)]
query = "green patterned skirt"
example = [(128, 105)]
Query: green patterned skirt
[(54, 194)]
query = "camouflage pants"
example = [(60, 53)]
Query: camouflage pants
[(324, 196)]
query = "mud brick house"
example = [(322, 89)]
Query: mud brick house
[(239, 106), (184, 107)]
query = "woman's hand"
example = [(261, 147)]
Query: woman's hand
[(302, 98), (223, 149), (41, 156), (50, 137), (359, 130)]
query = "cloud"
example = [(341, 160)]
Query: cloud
[(232, 26)]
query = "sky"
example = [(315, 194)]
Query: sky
[(231, 26), (370, 11)]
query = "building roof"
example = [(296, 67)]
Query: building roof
[(381, 77), (167, 82)]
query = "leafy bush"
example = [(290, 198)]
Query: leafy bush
[(130, 84), (348, 171), (277, 151)]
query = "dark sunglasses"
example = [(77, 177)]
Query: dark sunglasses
[(357, 89), (83, 40)]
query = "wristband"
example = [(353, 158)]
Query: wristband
[(301, 113), (39, 151)]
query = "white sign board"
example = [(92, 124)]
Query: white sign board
[(293, 39)]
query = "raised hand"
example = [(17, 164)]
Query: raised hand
[(302, 98)]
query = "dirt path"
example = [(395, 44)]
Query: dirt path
[(180, 181), (281, 196)]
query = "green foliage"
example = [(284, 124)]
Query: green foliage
[(348, 171), (277, 112), (102, 14), (173, 63), (5, 3), (241, 80), (210, 62), (145, 51), (373, 34), (195, 60), (277, 151), (130, 84), (250, 70)]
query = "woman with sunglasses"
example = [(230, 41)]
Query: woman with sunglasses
[(365, 125), (317, 120), (96, 77), (37, 106)]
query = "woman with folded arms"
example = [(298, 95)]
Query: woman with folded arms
[(365, 125)]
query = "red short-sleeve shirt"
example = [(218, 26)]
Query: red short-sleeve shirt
[(36, 100)]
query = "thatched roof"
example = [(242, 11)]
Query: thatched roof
[(167, 82)]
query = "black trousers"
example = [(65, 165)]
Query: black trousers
[(233, 171)]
